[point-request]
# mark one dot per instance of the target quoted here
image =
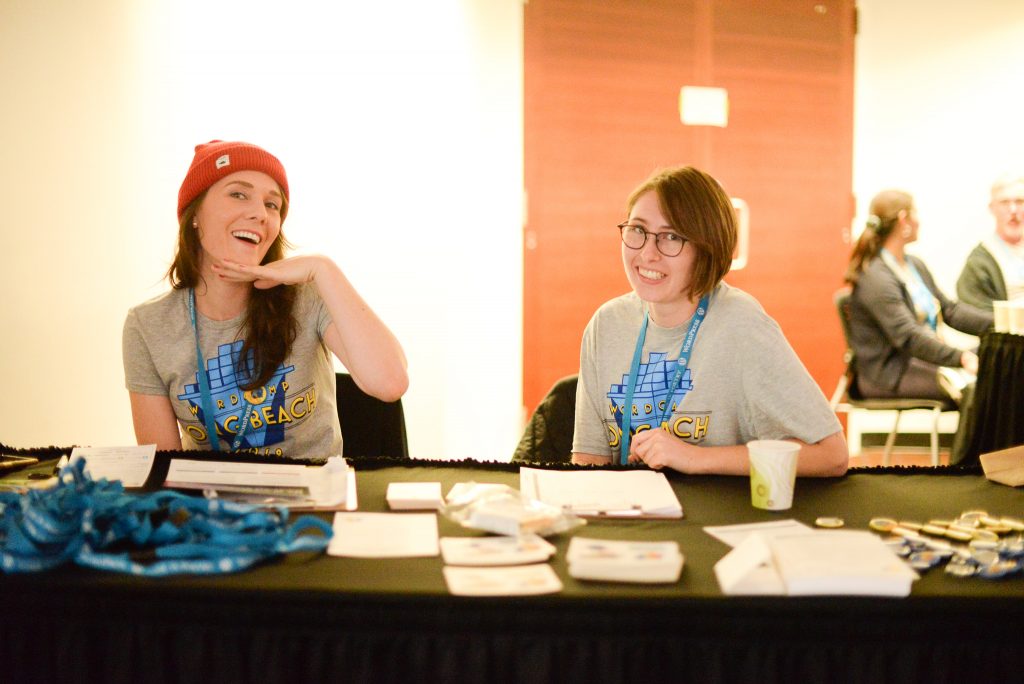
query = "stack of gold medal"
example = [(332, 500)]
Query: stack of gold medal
[(974, 543)]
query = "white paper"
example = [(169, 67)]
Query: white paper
[(409, 496), (329, 485), (617, 493), (624, 560), (748, 569), (129, 464), (817, 562), (733, 535), (384, 535), (521, 580), (495, 550), (843, 562)]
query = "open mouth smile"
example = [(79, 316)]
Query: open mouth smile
[(247, 236), (650, 275)]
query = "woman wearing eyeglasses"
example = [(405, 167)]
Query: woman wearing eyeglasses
[(703, 367), (237, 356)]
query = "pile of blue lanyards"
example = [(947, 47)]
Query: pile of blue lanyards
[(96, 524)]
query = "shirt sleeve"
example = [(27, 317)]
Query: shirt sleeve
[(140, 373), (782, 399), (589, 434)]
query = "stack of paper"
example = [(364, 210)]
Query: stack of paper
[(331, 486), (529, 548), (521, 580), (612, 493), (825, 562), (624, 561), (414, 496)]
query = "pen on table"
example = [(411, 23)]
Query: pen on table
[(16, 462)]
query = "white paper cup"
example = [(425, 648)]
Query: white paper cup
[(1016, 317), (772, 473), (1001, 312)]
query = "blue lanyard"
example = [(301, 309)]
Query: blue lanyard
[(81, 520), (634, 371), (919, 292), (204, 388)]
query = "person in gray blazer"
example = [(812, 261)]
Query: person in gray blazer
[(895, 312), (896, 308)]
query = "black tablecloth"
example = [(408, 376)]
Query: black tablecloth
[(996, 418), (319, 618)]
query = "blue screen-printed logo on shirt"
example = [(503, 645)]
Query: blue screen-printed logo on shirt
[(651, 393), (229, 401)]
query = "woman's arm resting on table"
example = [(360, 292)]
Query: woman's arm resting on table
[(590, 459), (154, 421), (658, 449)]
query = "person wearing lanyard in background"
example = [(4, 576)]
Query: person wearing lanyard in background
[(705, 369), (895, 311), (239, 348), (994, 270)]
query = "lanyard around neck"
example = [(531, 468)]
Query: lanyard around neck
[(206, 397), (922, 297), (634, 371)]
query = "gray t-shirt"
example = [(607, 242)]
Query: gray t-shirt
[(294, 415), (743, 381)]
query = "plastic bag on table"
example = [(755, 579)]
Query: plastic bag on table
[(503, 510)]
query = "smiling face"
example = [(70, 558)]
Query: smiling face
[(661, 281), (239, 218), (1008, 207)]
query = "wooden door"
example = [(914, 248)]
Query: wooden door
[(602, 81)]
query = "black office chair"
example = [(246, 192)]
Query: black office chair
[(548, 436), (847, 397), (369, 426)]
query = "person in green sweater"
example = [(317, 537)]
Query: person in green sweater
[(994, 270)]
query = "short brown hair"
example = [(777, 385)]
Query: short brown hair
[(699, 209)]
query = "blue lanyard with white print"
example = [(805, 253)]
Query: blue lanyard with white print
[(88, 522), (204, 388), (634, 370)]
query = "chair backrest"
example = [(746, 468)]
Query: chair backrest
[(548, 435), (842, 301), (369, 426)]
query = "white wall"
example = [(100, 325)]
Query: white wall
[(939, 107), (399, 123)]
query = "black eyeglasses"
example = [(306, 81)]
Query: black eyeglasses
[(668, 242)]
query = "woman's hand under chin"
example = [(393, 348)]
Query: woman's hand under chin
[(290, 271)]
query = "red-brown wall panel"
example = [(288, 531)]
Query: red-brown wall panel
[(602, 80)]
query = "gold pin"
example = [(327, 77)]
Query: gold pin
[(882, 524), (959, 535), (1014, 524)]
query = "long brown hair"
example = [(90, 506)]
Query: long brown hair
[(699, 209), (885, 215), (269, 323)]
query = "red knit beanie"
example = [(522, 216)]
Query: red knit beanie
[(217, 159)]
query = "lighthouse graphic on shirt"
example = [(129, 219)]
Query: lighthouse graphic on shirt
[(650, 395)]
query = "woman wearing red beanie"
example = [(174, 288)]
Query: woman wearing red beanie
[(240, 347)]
